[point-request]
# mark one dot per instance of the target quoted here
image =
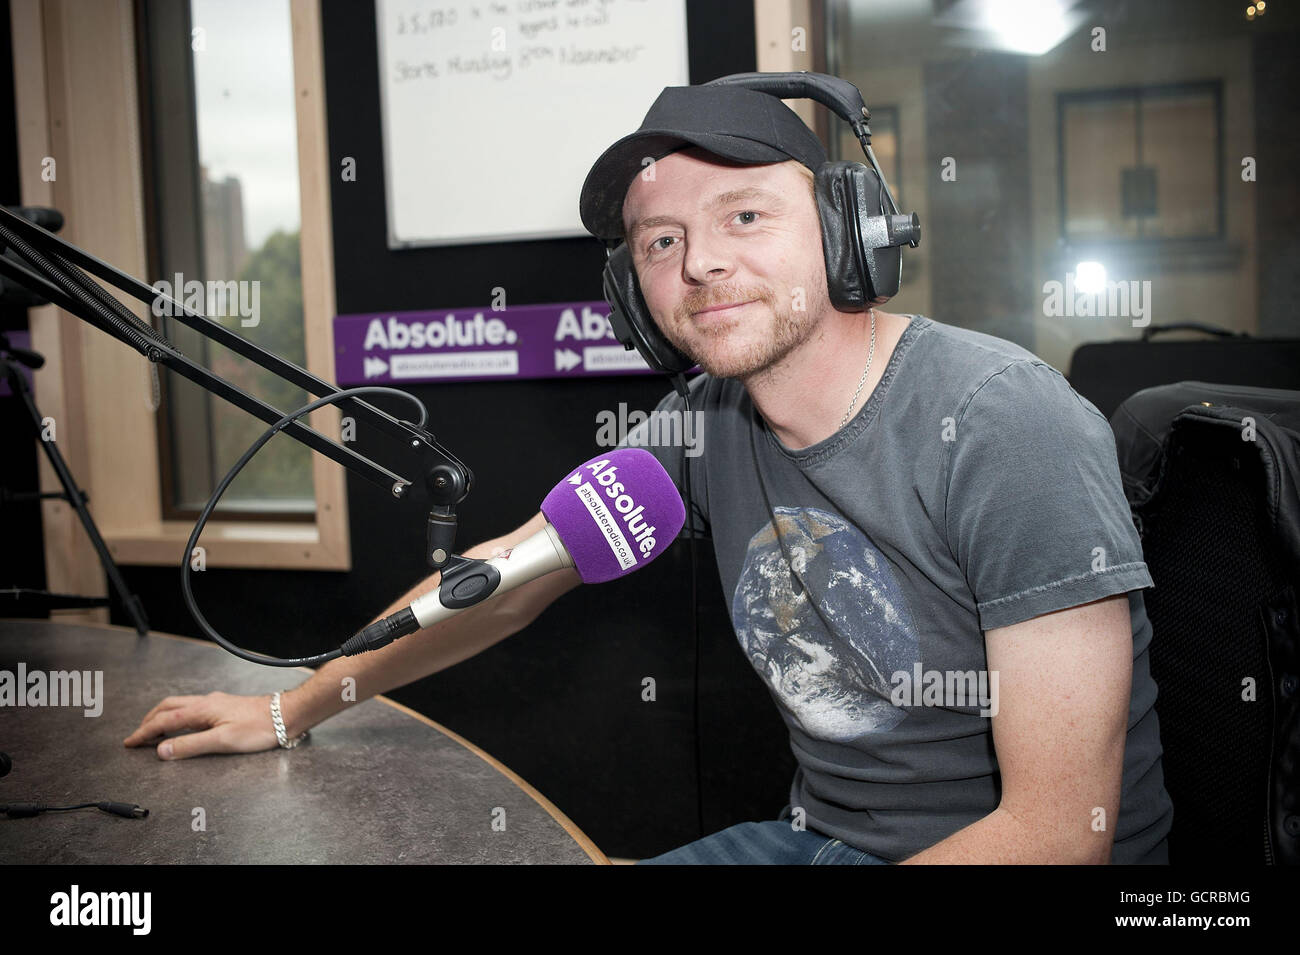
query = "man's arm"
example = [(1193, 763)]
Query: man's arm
[(435, 648), (1059, 731), (242, 724)]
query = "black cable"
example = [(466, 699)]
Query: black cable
[(776, 526), (684, 390), (25, 810), (221, 489)]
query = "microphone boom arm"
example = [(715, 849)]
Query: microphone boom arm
[(56, 274)]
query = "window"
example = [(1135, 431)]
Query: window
[(1141, 163), (1069, 151), (221, 184)]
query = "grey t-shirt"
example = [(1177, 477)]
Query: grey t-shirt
[(974, 490)]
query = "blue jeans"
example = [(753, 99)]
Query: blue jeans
[(766, 843)]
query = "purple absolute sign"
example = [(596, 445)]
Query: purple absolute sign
[(563, 340)]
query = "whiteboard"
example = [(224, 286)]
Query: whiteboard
[(494, 110)]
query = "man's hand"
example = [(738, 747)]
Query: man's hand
[(227, 724)]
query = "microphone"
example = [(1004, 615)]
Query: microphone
[(610, 516)]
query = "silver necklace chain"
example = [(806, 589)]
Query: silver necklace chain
[(865, 371)]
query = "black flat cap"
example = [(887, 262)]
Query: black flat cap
[(740, 124)]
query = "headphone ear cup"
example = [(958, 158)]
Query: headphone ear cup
[(845, 280), (630, 317), (863, 268)]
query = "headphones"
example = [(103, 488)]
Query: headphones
[(862, 230)]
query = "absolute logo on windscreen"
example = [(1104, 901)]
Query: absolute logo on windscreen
[(638, 528)]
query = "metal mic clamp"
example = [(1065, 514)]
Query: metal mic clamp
[(440, 537), (448, 483)]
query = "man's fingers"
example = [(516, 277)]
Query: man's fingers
[(193, 744), (142, 733), (172, 721)]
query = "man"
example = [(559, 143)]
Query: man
[(931, 562)]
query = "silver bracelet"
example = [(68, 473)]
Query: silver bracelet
[(278, 720)]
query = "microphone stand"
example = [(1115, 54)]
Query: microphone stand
[(10, 358), (55, 274)]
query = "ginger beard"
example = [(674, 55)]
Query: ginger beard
[(750, 342)]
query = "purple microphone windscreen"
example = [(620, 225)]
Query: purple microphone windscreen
[(615, 513)]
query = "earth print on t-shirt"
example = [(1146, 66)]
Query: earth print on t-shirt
[(830, 669)]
